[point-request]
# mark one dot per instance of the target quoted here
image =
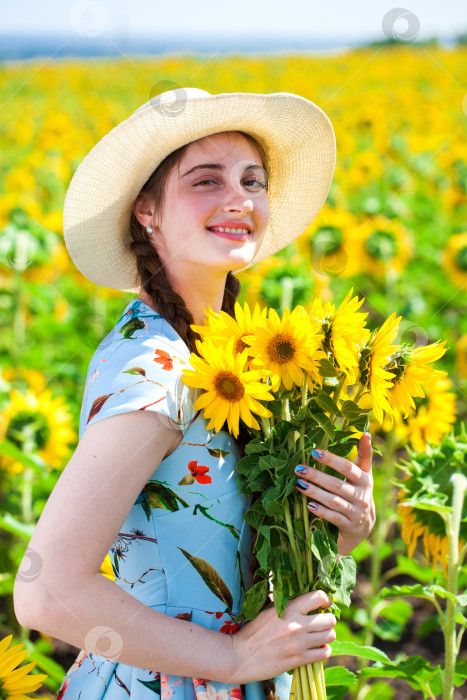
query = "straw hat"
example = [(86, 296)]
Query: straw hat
[(296, 135)]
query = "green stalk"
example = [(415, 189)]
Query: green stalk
[(380, 534), (452, 531), (293, 546)]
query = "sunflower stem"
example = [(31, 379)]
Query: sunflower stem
[(293, 546), (381, 530), (460, 486)]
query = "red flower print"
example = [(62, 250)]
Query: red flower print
[(199, 681), (236, 694), (164, 359), (230, 627), (199, 472)]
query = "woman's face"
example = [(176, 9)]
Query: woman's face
[(197, 198)]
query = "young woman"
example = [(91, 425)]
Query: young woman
[(169, 205)]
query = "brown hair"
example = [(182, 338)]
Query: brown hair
[(155, 282)]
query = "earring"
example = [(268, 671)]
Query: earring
[(149, 229)]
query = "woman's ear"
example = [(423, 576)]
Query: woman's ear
[(144, 211)]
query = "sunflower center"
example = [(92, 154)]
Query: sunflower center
[(28, 430), (381, 245), (327, 240), (461, 259), (228, 386), (281, 348)]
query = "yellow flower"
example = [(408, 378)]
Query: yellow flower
[(287, 347), (410, 368), (455, 259), (461, 356), (434, 418), (344, 330), (231, 392), (106, 568), (15, 682), (385, 245), (373, 358), (330, 244), (220, 327), (36, 423), (436, 547)]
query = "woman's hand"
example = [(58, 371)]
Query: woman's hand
[(269, 645), (347, 504)]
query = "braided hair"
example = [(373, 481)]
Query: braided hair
[(156, 284)]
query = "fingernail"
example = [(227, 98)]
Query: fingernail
[(301, 484), (299, 469), (318, 454), (367, 433), (312, 505)]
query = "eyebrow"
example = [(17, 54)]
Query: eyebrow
[(218, 166)]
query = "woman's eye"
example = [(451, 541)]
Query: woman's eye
[(247, 182)]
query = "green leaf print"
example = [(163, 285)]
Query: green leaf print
[(135, 370), (217, 452), (134, 324), (154, 685), (211, 578), (234, 530), (159, 496)]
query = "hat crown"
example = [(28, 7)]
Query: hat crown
[(173, 98)]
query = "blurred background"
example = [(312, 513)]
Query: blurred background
[(393, 229)]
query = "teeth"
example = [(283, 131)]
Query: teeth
[(229, 230)]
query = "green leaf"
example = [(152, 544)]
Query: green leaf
[(253, 601), (325, 402), (363, 652), (352, 410), (418, 591), (325, 423), (339, 675), (327, 369)]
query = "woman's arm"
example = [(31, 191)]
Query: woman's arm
[(59, 590)]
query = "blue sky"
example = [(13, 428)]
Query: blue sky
[(360, 19)]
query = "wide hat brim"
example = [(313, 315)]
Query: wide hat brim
[(296, 135)]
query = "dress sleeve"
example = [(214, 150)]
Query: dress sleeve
[(143, 374)]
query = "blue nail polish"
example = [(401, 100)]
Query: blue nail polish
[(312, 505), (301, 484), (299, 469), (367, 433), (317, 454)]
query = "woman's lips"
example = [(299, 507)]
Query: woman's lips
[(230, 236)]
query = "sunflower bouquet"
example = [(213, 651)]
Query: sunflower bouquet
[(295, 382)]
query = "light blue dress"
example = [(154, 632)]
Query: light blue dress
[(184, 548)]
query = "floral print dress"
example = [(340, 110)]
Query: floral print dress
[(184, 548)]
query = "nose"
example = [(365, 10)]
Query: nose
[(237, 200)]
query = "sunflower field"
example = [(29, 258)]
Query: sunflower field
[(393, 231)]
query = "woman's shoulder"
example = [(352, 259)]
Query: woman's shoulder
[(138, 367)]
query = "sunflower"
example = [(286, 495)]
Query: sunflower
[(231, 391), (373, 358), (288, 346), (343, 330), (455, 259), (330, 245), (428, 479), (220, 327), (107, 569), (433, 418), (37, 423), (385, 245), (409, 366), (461, 356), (15, 682)]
